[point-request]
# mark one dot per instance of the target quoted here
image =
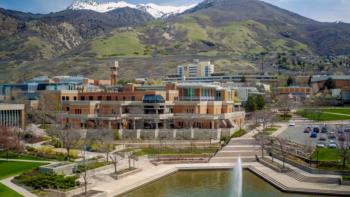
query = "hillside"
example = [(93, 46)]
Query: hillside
[(232, 33)]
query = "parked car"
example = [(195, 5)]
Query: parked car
[(342, 138), (320, 145), (307, 130), (332, 145), (331, 141), (313, 135), (316, 129), (331, 135), (323, 137), (291, 123), (324, 130), (347, 129)]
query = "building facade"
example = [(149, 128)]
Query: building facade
[(173, 111), (12, 115), (195, 69)]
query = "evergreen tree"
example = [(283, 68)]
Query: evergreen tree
[(251, 104), (329, 83), (260, 102), (290, 81), (243, 79)]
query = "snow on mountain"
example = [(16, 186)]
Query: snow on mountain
[(157, 11)]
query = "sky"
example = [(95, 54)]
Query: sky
[(321, 10)]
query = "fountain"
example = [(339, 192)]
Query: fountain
[(237, 179)]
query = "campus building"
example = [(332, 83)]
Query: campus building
[(295, 91), (195, 69), (341, 83), (171, 111), (12, 115)]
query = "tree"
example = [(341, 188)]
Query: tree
[(106, 138), (9, 140), (243, 79), (344, 148), (251, 104), (290, 81), (329, 84), (70, 138), (260, 102)]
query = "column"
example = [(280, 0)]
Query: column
[(133, 124), (218, 137), (213, 124), (109, 124), (156, 134), (174, 134), (6, 118), (0, 117)]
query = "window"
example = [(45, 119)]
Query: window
[(63, 98), (132, 98), (123, 98), (116, 98), (75, 98), (91, 98), (67, 98), (109, 98), (77, 111), (82, 98), (67, 108), (99, 98)]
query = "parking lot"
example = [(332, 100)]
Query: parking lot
[(296, 134)]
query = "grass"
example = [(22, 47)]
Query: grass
[(338, 110), (326, 154), (11, 168), (7, 192), (121, 44), (238, 133), (23, 156), (346, 178), (271, 130), (320, 115), (126, 170)]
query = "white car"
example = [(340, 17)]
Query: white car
[(291, 123), (332, 145), (320, 145)]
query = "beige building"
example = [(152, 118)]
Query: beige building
[(12, 115), (195, 69)]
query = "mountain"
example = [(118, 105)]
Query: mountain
[(157, 11), (231, 33)]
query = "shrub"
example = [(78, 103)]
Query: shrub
[(38, 180), (238, 133)]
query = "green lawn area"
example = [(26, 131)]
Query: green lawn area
[(271, 130), (321, 116), (12, 155), (338, 110), (11, 168), (327, 154), (7, 192)]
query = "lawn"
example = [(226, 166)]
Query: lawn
[(5, 191), (271, 130), (327, 154), (338, 110), (23, 156), (321, 116), (11, 168)]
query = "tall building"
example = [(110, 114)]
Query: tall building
[(195, 69)]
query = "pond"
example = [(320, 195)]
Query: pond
[(208, 184)]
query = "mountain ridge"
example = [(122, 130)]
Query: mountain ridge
[(215, 30)]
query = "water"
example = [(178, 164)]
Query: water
[(237, 179), (209, 183)]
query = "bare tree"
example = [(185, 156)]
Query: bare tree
[(344, 148), (69, 137), (106, 138), (281, 143)]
